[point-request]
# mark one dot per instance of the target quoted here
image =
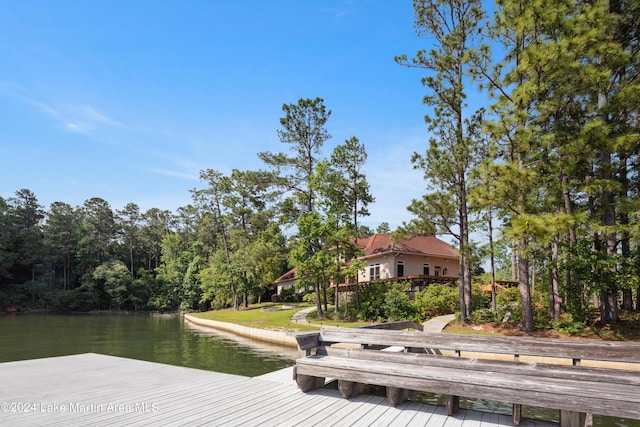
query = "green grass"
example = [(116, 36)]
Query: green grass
[(271, 316), (262, 316)]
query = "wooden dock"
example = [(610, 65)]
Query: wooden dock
[(97, 390)]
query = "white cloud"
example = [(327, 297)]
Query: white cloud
[(190, 175), (83, 119), (93, 116)]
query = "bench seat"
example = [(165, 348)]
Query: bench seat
[(577, 391)]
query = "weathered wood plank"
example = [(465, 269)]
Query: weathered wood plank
[(308, 340), (535, 369), (560, 348), (188, 397), (549, 392)]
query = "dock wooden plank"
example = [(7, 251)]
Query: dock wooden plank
[(184, 396)]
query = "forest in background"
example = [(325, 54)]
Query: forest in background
[(544, 170)]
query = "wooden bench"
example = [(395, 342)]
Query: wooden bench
[(551, 373)]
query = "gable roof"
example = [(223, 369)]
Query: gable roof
[(379, 244), (289, 275), (415, 244)]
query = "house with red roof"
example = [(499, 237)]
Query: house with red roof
[(411, 256), (419, 259)]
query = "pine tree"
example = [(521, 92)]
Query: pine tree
[(452, 25)]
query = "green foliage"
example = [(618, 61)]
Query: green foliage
[(371, 301), (480, 300), (117, 281), (438, 299), (397, 305), (290, 295), (309, 298), (508, 301), (387, 301), (483, 315)]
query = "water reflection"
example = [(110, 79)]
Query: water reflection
[(156, 339)]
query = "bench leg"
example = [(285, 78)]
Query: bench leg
[(517, 414), (453, 404), (349, 389), (307, 382), (396, 396), (575, 419)]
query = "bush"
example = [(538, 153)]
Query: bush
[(397, 305), (309, 298), (371, 301), (437, 300), (479, 299), (290, 295), (483, 315)]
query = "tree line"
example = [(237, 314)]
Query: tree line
[(240, 233), (550, 154)]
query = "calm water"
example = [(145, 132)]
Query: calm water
[(167, 340)]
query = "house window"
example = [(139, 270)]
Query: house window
[(437, 270), (374, 271), (425, 269), (400, 268)]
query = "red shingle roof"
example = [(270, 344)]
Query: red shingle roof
[(289, 275), (382, 243), (428, 245)]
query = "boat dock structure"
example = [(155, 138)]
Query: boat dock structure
[(97, 390)]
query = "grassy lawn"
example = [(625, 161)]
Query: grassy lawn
[(269, 316), (273, 317)]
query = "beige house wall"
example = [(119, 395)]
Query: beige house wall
[(413, 266)]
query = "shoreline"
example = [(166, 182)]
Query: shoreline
[(283, 339)]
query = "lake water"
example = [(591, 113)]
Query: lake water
[(168, 340)]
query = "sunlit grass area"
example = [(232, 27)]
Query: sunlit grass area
[(277, 317), (272, 316)]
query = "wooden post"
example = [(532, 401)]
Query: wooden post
[(349, 389), (395, 395), (307, 382), (517, 414), (453, 404), (575, 419)]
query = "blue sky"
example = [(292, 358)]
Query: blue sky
[(129, 100)]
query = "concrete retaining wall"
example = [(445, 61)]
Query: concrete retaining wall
[(273, 337)]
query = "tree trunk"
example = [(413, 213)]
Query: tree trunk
[(319, 311), (465, 249), (554, 289), (525, 292), (492, 262), (625, 244), (514, 261)]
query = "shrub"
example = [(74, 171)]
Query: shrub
[(397, 305), (290, 295), (309, 297), (479, 299), (437, 300), (483, 315), (371, 301)]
